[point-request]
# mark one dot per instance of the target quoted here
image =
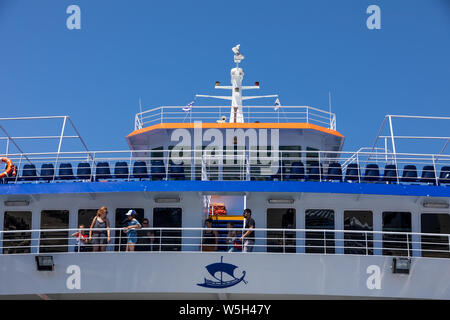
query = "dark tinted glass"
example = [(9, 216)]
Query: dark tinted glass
[(54, 241), (435, 246), (19, 241), (358, 243), (397, 244), (319, 242), (281, 241), (168, 240)]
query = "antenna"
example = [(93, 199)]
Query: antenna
[(140, 105), (329, 105)]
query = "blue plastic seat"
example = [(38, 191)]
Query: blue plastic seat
[(390, 173), (47, 172), (140, 170), (65, 172), (334, 172), (409, 173), (280, 174), (372, 173), (121, 170), (352, 173), (428, 175), (297, 171), (176, 172), (444, 176), (314, 171), (84, 171), (29, 172), (102, 171)]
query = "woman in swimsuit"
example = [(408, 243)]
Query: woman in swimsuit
[(99, 238)]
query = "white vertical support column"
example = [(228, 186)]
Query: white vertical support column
[(393, 140), (339, 236), (300, 224), (416, 239), (35, 225), (61, 137), (377, 237)]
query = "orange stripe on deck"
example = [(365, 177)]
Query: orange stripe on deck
[(236, 126)]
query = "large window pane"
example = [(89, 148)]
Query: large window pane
[(435, 246), (52, 241), (397, 244), (358, 243), (322, 241), (281, 241), (167, 240), (17, 242)]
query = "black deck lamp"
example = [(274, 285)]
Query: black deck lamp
[(44, 263), (401, 265)]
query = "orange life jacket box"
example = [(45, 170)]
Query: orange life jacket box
[(217, 209)]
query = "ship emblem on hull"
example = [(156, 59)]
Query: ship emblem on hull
[(217, 271)]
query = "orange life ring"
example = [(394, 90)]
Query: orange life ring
[(9, 168)]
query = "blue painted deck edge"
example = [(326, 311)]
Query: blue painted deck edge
[(225, 186)]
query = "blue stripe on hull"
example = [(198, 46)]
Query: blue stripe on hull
[(225, 186)]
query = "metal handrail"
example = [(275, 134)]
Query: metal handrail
[(165, 114), (376, 243), (247, 166)]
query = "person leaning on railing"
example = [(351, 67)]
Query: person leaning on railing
[(248, 238), (99, 238), (210, 237)]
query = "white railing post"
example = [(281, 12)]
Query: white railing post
[(435, 171)]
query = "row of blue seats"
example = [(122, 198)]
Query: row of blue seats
[(102, 171), (314, 171)]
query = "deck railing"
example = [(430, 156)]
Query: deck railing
[(213, 114), (267, 240), (275, 165)]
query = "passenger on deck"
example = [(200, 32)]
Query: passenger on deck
[(82, 239), (131, 230), (248, 238), (233, 241), (99, 238), (145, 237), (210, 237)]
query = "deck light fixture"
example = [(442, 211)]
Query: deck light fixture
[(16, 203), (44, 263), (167, 200), (401, 265), (281, 201), (435, 204)]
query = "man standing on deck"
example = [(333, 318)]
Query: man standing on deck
[(249, 235)]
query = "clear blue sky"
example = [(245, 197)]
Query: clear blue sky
[(167, 51)]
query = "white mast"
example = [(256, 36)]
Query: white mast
[(237, 75)]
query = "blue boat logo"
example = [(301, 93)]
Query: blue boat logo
[(222, 268)]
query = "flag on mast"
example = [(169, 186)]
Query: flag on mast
[(188, 106), (277, 104)]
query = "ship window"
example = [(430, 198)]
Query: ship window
[(85, 217), (281, 241), (54, 241), (311, 156), (319, 241), (435, 246), (120, 242), (397, 244), (167, 240), (157, 153), (20, 241), (358, 243)]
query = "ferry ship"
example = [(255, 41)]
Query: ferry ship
[(329, 223)]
